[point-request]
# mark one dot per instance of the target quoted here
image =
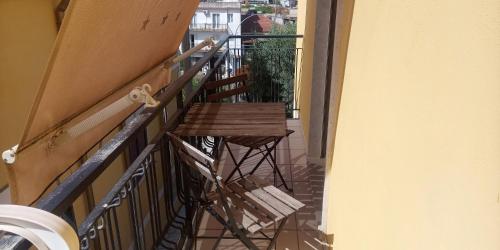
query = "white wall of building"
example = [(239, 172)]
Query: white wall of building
[(204, 24), (229, 17)]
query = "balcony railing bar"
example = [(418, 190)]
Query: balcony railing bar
[(273, 85)]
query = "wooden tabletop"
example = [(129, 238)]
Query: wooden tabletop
[(234, 119)]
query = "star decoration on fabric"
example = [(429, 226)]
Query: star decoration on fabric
[(164, 20), (145, 24)]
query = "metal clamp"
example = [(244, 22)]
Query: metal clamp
[(208, 41), (142, 95), (9, 155)]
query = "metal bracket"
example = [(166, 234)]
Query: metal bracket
[(142, 95), (9, 156), (208, 41)]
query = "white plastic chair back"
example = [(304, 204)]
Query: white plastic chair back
[(43, 229)]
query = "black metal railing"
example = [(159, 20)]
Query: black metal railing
[(274, 63), (150, 205)]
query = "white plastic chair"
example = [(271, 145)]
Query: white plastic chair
[(43, 229)]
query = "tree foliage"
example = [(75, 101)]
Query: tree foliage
[(272, 63)]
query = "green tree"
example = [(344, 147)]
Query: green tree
[(272, 63)]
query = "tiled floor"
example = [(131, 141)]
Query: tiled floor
[(307, 183), (5, 196)]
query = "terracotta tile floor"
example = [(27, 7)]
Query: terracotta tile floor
[(5, 196), (300, 231)]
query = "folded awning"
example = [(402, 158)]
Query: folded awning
[(104, 50)]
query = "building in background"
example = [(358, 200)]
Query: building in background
[(216, 19)]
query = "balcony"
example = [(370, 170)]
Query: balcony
[(208, 27), (150, 204)]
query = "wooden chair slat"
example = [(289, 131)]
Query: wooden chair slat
[(280, 195), (220, 83), (260, 204), (242, 70), (274, 202), (228, 93), (196, 165), (263, 195), (285, 198), (192, 151), (241, 218), (262, 217)]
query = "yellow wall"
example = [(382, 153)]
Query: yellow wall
[(416, 161), (306, 17), (343, 19), (27, 32)]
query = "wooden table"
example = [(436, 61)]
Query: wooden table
[(234, 119), (254, 125)]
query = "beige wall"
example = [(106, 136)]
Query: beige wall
[(27, 32), (416, 161), (306, 17), (343, 19)]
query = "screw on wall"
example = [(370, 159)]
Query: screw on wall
[(145, 24), (164, 19)]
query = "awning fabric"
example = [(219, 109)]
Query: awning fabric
[(103, 50)]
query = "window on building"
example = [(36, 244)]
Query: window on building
[(215, 20), (229, 18)]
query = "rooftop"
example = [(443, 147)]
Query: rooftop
[(257, 24)]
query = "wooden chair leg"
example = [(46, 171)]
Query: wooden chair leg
[(276, 170), (237, 164), (274, 165), (219, 239), (265, 156)]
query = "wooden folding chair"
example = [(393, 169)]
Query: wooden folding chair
[(244, 207), (228, 87), (265, 146)]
